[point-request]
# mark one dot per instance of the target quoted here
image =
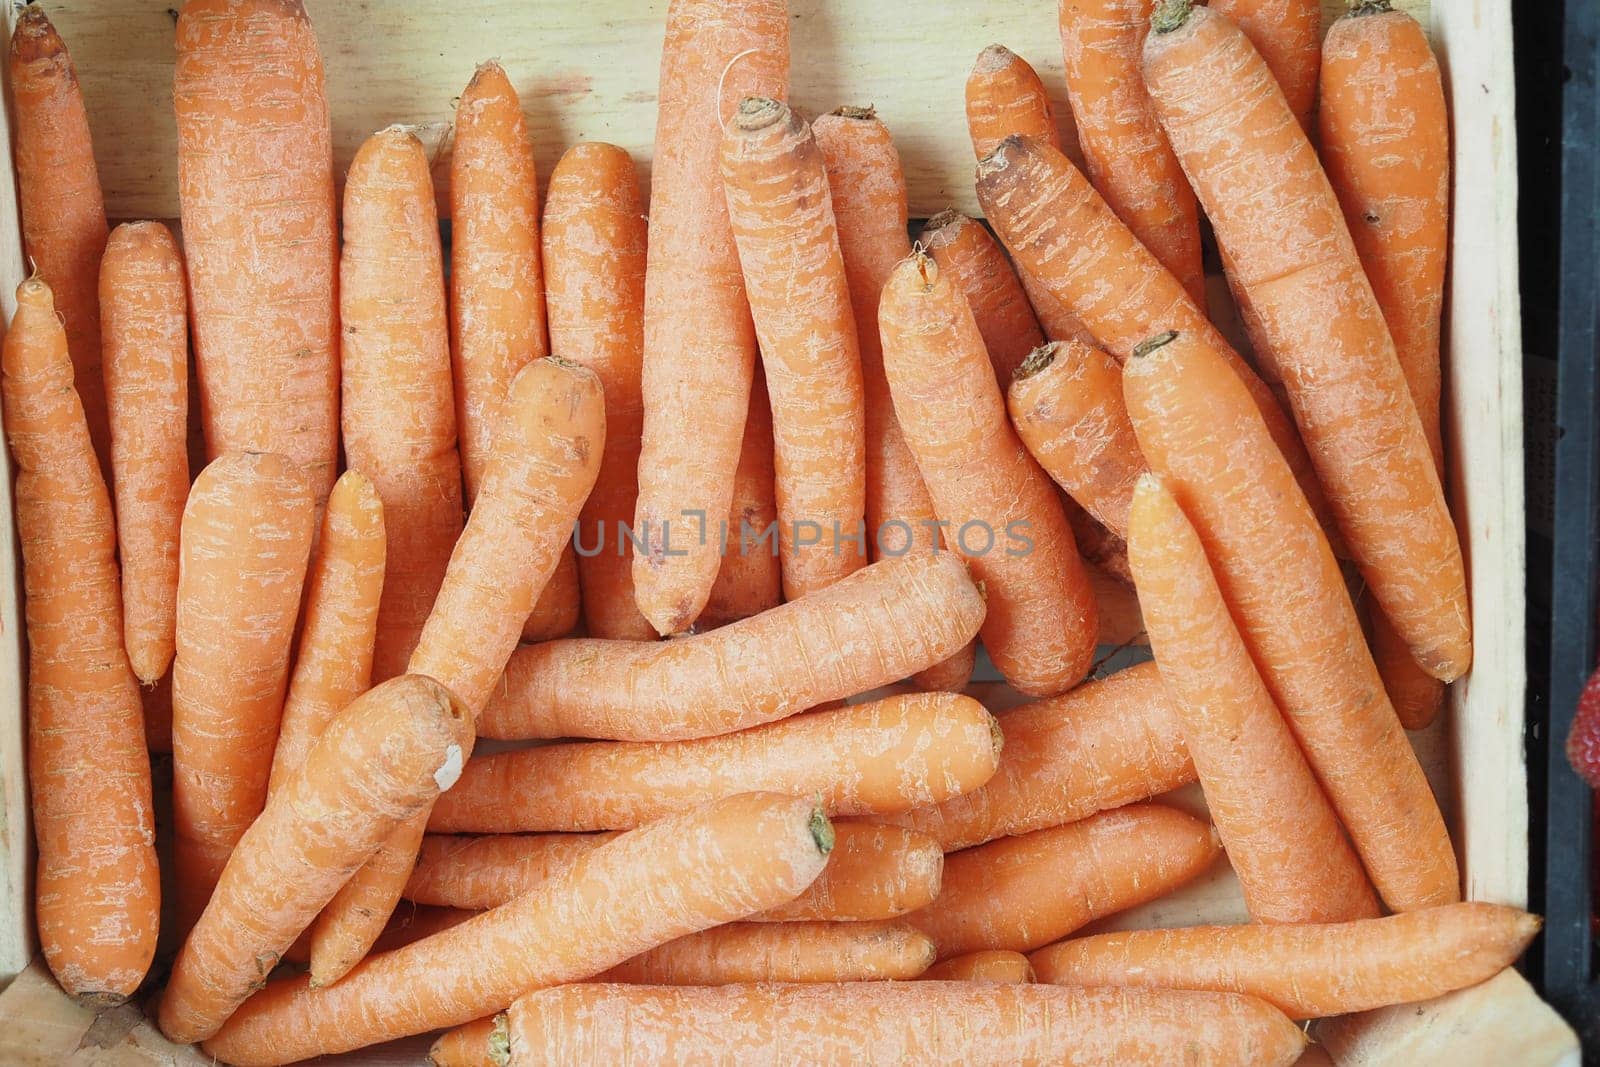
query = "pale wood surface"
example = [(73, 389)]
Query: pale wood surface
[(43, 1028)]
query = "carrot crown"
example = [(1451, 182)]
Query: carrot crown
[(1169, 15), (1150, 344), (500, 1041), (1038, 360), (1369, 7), (850, 111), (821, 830), (758, 112)]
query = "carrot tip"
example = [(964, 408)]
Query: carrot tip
[(994, 57), (758, 112), (851, 111), (1369, 7), (1170, 15), (821, 830), (1150, 344), (500, 1041), (97, 1001), (1038, 361), (948, 217)]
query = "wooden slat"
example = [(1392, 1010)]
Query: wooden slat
[(44, 1028)]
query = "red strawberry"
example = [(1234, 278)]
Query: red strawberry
[(1583, 743)]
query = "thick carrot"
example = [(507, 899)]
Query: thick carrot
[(767, 1024), (244, 546), (383, 759), (1257, 175), (1019, 893), (699, 346), (594, 261), (782, 952), (96, 889), (749, 580), (558, 607), (1287, 33), (875, 627), (1201, 433), (1284, 841), (481, 1043), (398, 420), (690, 872), (1004, 516), (255, 183), (497, 320), (1307, 971), (989, 966), (144, 339), (886, 756), (966, 251)]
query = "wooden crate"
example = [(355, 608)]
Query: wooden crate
[(586, 69)]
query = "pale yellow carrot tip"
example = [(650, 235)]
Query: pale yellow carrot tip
[(992, 58), (851, 111), (758, 112), (821, 830), (1150, 344), (1038, 361), (1170, 15)]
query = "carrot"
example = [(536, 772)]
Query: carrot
[(1022, 892), (1106, 743), (782, 952), (699, 346), (988, 966), (767, 1024), (481, 1042), (1318, 315), (255, 183), (1200, 432), (886, 756), (1307, 971), (879, 625), (965, 251), (96, 890), (334, 663), (749, 580), (558, 608), (63, 211), (398, 420), (1287, 33), (145, 343), (1416, 695), (497, 313), (244, 546), (383, 759), (1283, 839), (1042, 619), (594, 262), (685, 873), (1066, 403)]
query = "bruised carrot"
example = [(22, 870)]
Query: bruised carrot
[(559, 605), (749, 581), (657, 884), (875, 627), (145, 343), (699, 346), (988, 966), (255, 183), (1307, 971), (96, 890), (782, 952), (966, 252), (1287, 33), (886, 756)]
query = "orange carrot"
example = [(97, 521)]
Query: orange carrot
[(988, 966), (1256, 174), (782, 952), (96, 891), (699, 346), (145, 343), (1283, 839), (1416, 695), (1199, 430), (1287, 34), (643, 889), (558, 608), (411, 923), (749, 581), (383, 759), (875, 627), (1022, 892), (967, 253), (1307, 971), (886, 756), (1042, 617), (255, 182), (481, 1043)]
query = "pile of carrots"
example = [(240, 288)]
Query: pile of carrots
[(765, 803)]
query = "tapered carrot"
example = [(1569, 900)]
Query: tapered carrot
[(1416, 695), (988, 966), (1022, 892), (594, 262), (686, 873), (1256, 174), (886, 756), (750, 580), (782, 952), (96, 891), (1287, 33), (497, 314), (244, 547), (875, 627), (145, 343), (255, 182), (1307, 971), (1003, 516), (63, 211), (383, 759), (1199, 430), (334, 663), (970, 256), (558, 607), (481, 1043), (768, 1024), (1283, 839), (699, 346), (398, 421)]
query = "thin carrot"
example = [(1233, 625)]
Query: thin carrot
[(1200, 432), (1287, 33), (1019, 893), (1042, 619), (1256, 174), (699, 346), (481, 1043), (749, 580), (972, 258), (1284, 841), (255, 181), (875, 627), (558, 608), (989, 966), (1307, 971), (96, 892), (782, 952), (145, 343), (641, 890), (886, 756)]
